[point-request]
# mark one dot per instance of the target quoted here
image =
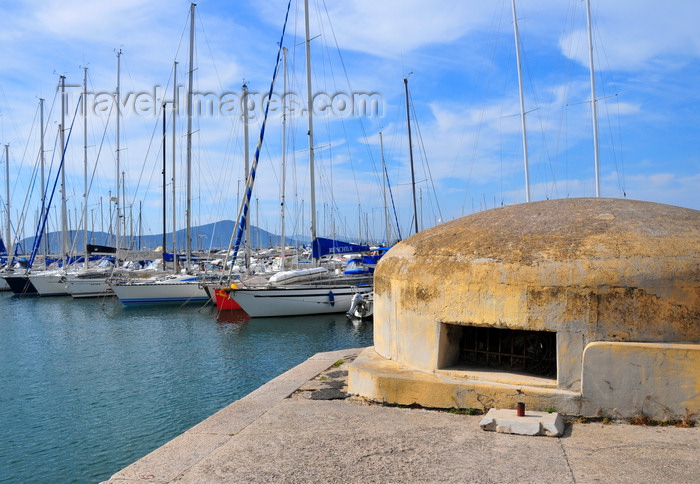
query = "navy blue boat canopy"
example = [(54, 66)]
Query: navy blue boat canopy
[(322, 246)]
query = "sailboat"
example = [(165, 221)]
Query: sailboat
[(3, 250), (175, 288), (283, 295), (53, 282), (93, 281), (20, 282)]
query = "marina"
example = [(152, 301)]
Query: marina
[(199, 284), (89, 385)]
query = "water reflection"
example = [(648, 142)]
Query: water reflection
[(235, 316)]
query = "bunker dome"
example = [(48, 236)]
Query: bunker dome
[(587, 306)]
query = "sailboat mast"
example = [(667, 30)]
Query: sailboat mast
[(522, 103), (594, 109), (176, 108), (64, 211), (164, 182), (283, 244), (188, 212), (410, 153), (8, 224), (85, 168), (118, 219), (246, 168), (43, 183), (310, 106), (386, 207)]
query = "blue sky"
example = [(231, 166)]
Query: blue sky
[(459, 58)]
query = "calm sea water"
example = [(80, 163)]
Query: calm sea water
[(89, 386)]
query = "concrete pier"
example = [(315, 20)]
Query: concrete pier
[(289, 431)]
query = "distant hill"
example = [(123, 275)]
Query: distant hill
[(210, 236)]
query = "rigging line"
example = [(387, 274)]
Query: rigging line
[(216, 71), (36, 164), (211, 54), (12, 118), (393, 205), (347, 77), (601, 51), (243, 209), (37, 239), (99, 150), (425, 156), (145, 158), (30, 190), (157, 122), (564, 118), (23, 214), (497, 16), (536, 98), (342, 118), (622, 154)]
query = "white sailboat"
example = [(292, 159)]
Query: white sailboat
[(94, 281), (333, 294), (176, 288), (52, 282)]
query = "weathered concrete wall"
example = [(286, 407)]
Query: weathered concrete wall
[(609, 270), (619, 380), (654, 379), (379, 379)]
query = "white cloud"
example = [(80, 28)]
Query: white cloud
[(631, 34)]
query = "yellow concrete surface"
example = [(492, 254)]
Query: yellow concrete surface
[(386, 381), (660, 380)]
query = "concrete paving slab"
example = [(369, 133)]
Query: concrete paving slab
[(533, 423), (632, 453), (341, 441)]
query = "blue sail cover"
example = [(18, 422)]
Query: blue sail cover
[(323, 246), (3, 249)]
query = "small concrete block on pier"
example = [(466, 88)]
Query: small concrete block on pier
[(506, 421)]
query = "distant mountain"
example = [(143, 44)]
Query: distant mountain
[(204, 237)]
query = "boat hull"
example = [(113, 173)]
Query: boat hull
[(49, 284), (20, 285), (223, 301), (89, 287), (296, 301), (142, 293)]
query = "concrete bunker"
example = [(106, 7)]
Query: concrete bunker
[(587, 306)]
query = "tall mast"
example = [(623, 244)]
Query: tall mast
[(176, 108), (85, 168), (8, 225), (310, 107), (64, 214), (594, 109), (43, 183), (522, 102), (386, 207), (164, 183), (118, 220), (284, 148), (127, 241), (188, 212), (246, 161), (410, 153)]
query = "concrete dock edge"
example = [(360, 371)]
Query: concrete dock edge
[(172, 459)]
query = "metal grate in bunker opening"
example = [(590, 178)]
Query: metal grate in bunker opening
[(532, 352)]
